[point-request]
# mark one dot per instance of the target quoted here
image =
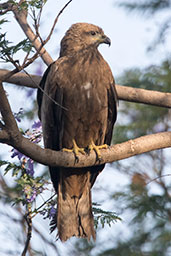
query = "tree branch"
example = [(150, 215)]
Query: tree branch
[(28, 219), (4, 137), (21, 17), (20, 79), (6, 112), (55, 21), (114, 153), (125, 93), (149, 97)]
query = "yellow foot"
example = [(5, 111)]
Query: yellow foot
[(92, 146), (76, 150)]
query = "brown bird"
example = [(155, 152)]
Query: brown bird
[(78, 110)]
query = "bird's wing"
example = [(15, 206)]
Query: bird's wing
[(112, 112), (50, 101), (50, 107)]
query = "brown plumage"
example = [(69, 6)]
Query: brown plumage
[(82, 84)]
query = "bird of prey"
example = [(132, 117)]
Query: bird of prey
[(78, 109)]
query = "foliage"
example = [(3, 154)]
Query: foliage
[(7, 51), (103, 217), (145, 6)]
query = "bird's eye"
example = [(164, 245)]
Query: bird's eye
[(93, 33)]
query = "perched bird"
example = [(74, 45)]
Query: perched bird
[(78, 109)]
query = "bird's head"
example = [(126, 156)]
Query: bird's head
[(80, 36)]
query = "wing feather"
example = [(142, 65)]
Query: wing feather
[(40, 90), (112, 112), (50, 101)]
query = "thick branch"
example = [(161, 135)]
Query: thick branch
[(10, 126), (125, 93), (21, 79), (6, 112), (113, 153), (4, 137), (144, 96)]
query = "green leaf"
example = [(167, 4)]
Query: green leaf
[(3, 163), (104, 217)]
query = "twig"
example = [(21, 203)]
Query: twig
[(38, 208), (28, 219), (159, 177), (56, 20), (48, 96)]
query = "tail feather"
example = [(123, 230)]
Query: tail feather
[(74, 215)]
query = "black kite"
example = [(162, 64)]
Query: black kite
[(82, 85)]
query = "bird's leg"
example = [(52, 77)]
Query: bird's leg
[(76, 150), (92, 146)]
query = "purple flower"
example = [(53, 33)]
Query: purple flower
[(18, 115), (49, 212), (52, 212), (39, 70), (36, 125), (30, 169), (30, 92), (32, 197), (17, 118), (16, 153)]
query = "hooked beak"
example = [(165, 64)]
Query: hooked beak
[(106, 40), (102, 39)]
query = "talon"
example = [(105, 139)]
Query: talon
[(76, 150), (92, 146)]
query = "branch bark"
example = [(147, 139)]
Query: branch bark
[(10, 127), (125, 93), (114, 153), (4, 137), (149, 97), (20, 79)]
